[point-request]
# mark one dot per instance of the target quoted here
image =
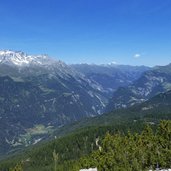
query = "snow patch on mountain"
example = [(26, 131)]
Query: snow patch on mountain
[(19, 58)]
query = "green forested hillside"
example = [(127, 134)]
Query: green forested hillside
[(78, 142), (69, 148), (112, 151), (156, 109), (133, 152)]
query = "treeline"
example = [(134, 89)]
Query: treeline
[(133, 152), (69, 148), (114, 152)]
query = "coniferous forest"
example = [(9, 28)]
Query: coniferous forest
[(108, 149)]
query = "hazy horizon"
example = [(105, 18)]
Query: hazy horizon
[(112, 63), (137, 32)]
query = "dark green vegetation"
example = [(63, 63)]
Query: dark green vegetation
[(71, 147), (152, 111), (82, 136), (92, 147), (133, 152)]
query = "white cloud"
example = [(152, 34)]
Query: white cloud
[(137, 55), (114, 62)]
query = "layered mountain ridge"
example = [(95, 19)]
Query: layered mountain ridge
[(151, 83), (39, 94), (111, 76)]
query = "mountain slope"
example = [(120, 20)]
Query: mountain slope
[(111, 76), (38, 94), (153, 110), (84, 135), (148, 85)]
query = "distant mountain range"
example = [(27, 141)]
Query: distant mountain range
[(38, 90), (39, 94), (111, 76), (151, 83)]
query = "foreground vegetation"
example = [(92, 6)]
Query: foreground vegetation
[(133, 152), (106, 148)]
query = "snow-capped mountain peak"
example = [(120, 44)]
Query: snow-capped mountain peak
[(19, 58)]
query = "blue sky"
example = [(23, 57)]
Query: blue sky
[(136, 32)]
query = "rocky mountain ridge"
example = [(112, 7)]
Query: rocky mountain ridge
[(38, 94), (151, 83), (111, 76)]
